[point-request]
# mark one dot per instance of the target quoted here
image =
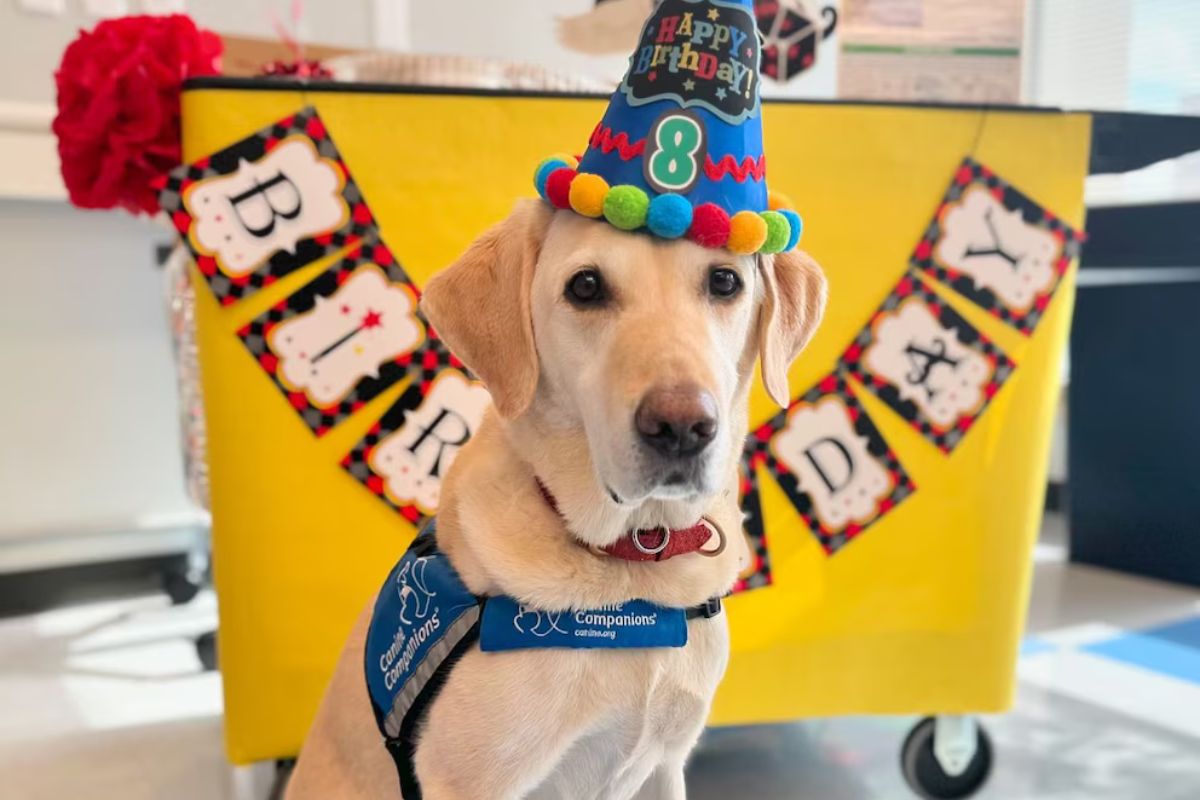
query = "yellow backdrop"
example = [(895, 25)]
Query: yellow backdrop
[(922, 613)]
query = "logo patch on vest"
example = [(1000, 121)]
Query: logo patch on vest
[(422, 612), (508, 625), (698, 53)]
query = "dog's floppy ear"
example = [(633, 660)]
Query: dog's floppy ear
[(793, 302), (480, 306)]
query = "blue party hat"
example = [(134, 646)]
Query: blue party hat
[(679, 151)]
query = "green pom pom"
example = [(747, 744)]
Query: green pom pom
[(779, 231), (626, 207)]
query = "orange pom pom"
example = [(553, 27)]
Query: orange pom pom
[(778, 200), (587, 194), (747, 232)]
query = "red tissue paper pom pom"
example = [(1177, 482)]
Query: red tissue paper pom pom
[(118, 106), (710, 225), (558, 187)]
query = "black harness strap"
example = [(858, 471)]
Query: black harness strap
[(706, 610), (404, 746)]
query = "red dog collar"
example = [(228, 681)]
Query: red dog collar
[(656, 544)]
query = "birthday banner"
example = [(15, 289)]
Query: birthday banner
[(405, 455), (831, 462), (758, 573), (267, 205), (992, 245), (283, 198), (927, 363), (277, 201), (342, 339)]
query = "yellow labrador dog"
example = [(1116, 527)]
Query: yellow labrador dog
[(619, 367)]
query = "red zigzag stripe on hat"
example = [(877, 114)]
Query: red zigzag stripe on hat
[(750, 168), (603, 139)]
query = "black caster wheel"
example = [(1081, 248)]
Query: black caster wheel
[(206, 650), (925, 774), (179, 587)]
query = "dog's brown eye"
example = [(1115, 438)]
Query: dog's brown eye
[(586, 288), (724, 283)]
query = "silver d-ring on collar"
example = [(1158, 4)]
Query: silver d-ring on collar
[(720, 538), (636, 536)]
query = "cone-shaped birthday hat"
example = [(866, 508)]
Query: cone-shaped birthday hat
[(679, 151)]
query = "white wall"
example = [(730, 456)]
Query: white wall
[(527, 31), (31, 44), (88, 434), (1079, 53), (1128, 55), (511, 30), (1137, 55)]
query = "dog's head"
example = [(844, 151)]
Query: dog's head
[(646, 347)]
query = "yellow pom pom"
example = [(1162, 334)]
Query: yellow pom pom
[(570, 160), (747, 232), (588, 193), (778, 200)]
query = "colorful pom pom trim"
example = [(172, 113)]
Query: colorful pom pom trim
[(668, 216)]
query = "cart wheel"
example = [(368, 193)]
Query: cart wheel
[(206, 650), (925, 774)]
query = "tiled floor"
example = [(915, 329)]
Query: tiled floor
[(108, 701)]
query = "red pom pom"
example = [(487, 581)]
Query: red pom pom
[(558, 187), (710, 226), (118, 106)]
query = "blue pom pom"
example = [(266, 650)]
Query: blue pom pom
[(797, 225), (670, 216), (543, 174)]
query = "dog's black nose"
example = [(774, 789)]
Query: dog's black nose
[(677, 421)]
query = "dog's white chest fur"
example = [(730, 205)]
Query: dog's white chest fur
[(619, 759), (641, 713)]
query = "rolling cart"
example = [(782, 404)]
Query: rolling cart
[(920, 611)]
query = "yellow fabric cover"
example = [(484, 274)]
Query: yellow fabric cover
[(922, 613)]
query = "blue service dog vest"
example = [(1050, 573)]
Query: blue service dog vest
[(425, 619)]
